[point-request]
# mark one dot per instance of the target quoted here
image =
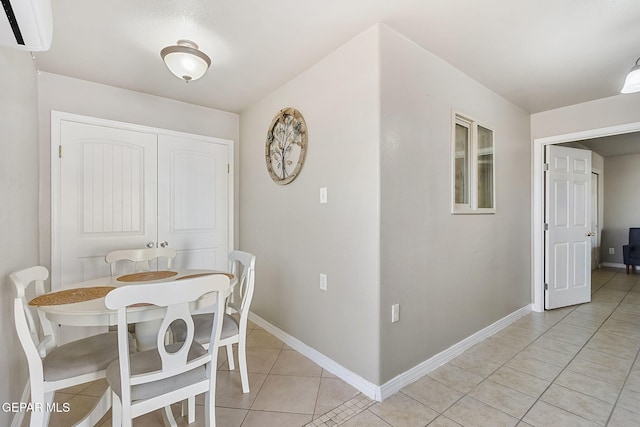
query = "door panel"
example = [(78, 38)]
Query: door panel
[(568, 218), (193, 201), (107, 198)]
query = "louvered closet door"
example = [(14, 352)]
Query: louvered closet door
[(108, 189)]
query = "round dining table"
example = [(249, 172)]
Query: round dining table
[(82, 303)]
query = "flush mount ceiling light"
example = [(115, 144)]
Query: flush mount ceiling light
[(185, 61), (632, 83)]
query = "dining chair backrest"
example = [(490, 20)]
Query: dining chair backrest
[(138, 258), (163, 382), (243, 265), (35, 332)]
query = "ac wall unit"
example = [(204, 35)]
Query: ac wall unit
[(26, 24)]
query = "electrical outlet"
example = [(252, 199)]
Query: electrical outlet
[(612, 251), (395, 313), (323, 281)]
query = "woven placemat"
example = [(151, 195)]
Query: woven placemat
[(191, 276), (146, 276), (69, 296)]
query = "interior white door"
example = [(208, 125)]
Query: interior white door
[(193, 201), (595, 223), (107, 198), (568, 219)]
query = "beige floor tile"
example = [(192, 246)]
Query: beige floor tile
[(432, 393), (261, 360), (588, 385), (623, 418), (551, 357), (229, 390), (456, 378), (542, 414), (569, 333), (290, 362), (274, 419), (520, 381), (614, 344), (327, 374), (263, 339), (401, 410), (604, 373), (493, 350), (96, 389), (284, 393), (559, 346), (577, 403), (622, 328), (443, 421), (477, 365), (505, 399), (333, 392), (534, 367), (630, 400), (633, 381), (365, 419), (78, 407), (472, 412), (604, 359)]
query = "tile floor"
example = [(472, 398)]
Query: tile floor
[(576, 366)]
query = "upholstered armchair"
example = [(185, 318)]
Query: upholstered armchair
[(631, 252)]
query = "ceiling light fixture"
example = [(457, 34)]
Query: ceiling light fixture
[(632, 83), (185, 61)]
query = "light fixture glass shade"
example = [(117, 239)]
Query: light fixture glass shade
[(185, 61), (632, 82)]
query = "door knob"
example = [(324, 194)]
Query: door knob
[(151, 245), (164, 244), (591, 234)]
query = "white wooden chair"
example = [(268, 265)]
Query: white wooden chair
[(138, 258), (145, 381), (234, 329), (53, 367)]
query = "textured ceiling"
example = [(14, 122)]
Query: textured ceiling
[(539, 54)]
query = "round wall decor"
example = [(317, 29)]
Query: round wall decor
[(286, 145)]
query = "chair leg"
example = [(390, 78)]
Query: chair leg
[(116, 411), (209, 410), (242, 361), (232, 364), (627, 265), (19, 416)]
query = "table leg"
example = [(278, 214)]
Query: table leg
[(147, 334)]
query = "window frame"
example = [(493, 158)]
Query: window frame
[(472, 165)]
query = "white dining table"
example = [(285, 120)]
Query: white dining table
[(93, 312)]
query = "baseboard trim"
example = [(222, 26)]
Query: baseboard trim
[(379, 393), (396, 384), (613, 265)]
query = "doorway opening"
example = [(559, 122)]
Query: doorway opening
[(538, 254)]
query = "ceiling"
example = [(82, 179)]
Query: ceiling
[(614, 145), (538, 54)]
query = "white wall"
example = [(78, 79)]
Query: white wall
[(19, 213), (452, 275), (70, 95), (622, 204), (294, 237)]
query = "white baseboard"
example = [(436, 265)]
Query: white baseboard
[(379, 393), (613, 265)]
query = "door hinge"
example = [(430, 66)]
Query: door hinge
[(60, 151), (545, 166), (546, 286), (228, 168), (546, 227)]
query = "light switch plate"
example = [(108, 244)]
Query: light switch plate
[(323, 195)]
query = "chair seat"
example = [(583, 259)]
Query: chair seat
[(81, 357), (149, 361), (202, 328)]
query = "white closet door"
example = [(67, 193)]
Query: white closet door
[(193, 206), (107, 198)]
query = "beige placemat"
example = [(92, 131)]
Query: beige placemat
[(146, 276), (69, 296), (191, 276)]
